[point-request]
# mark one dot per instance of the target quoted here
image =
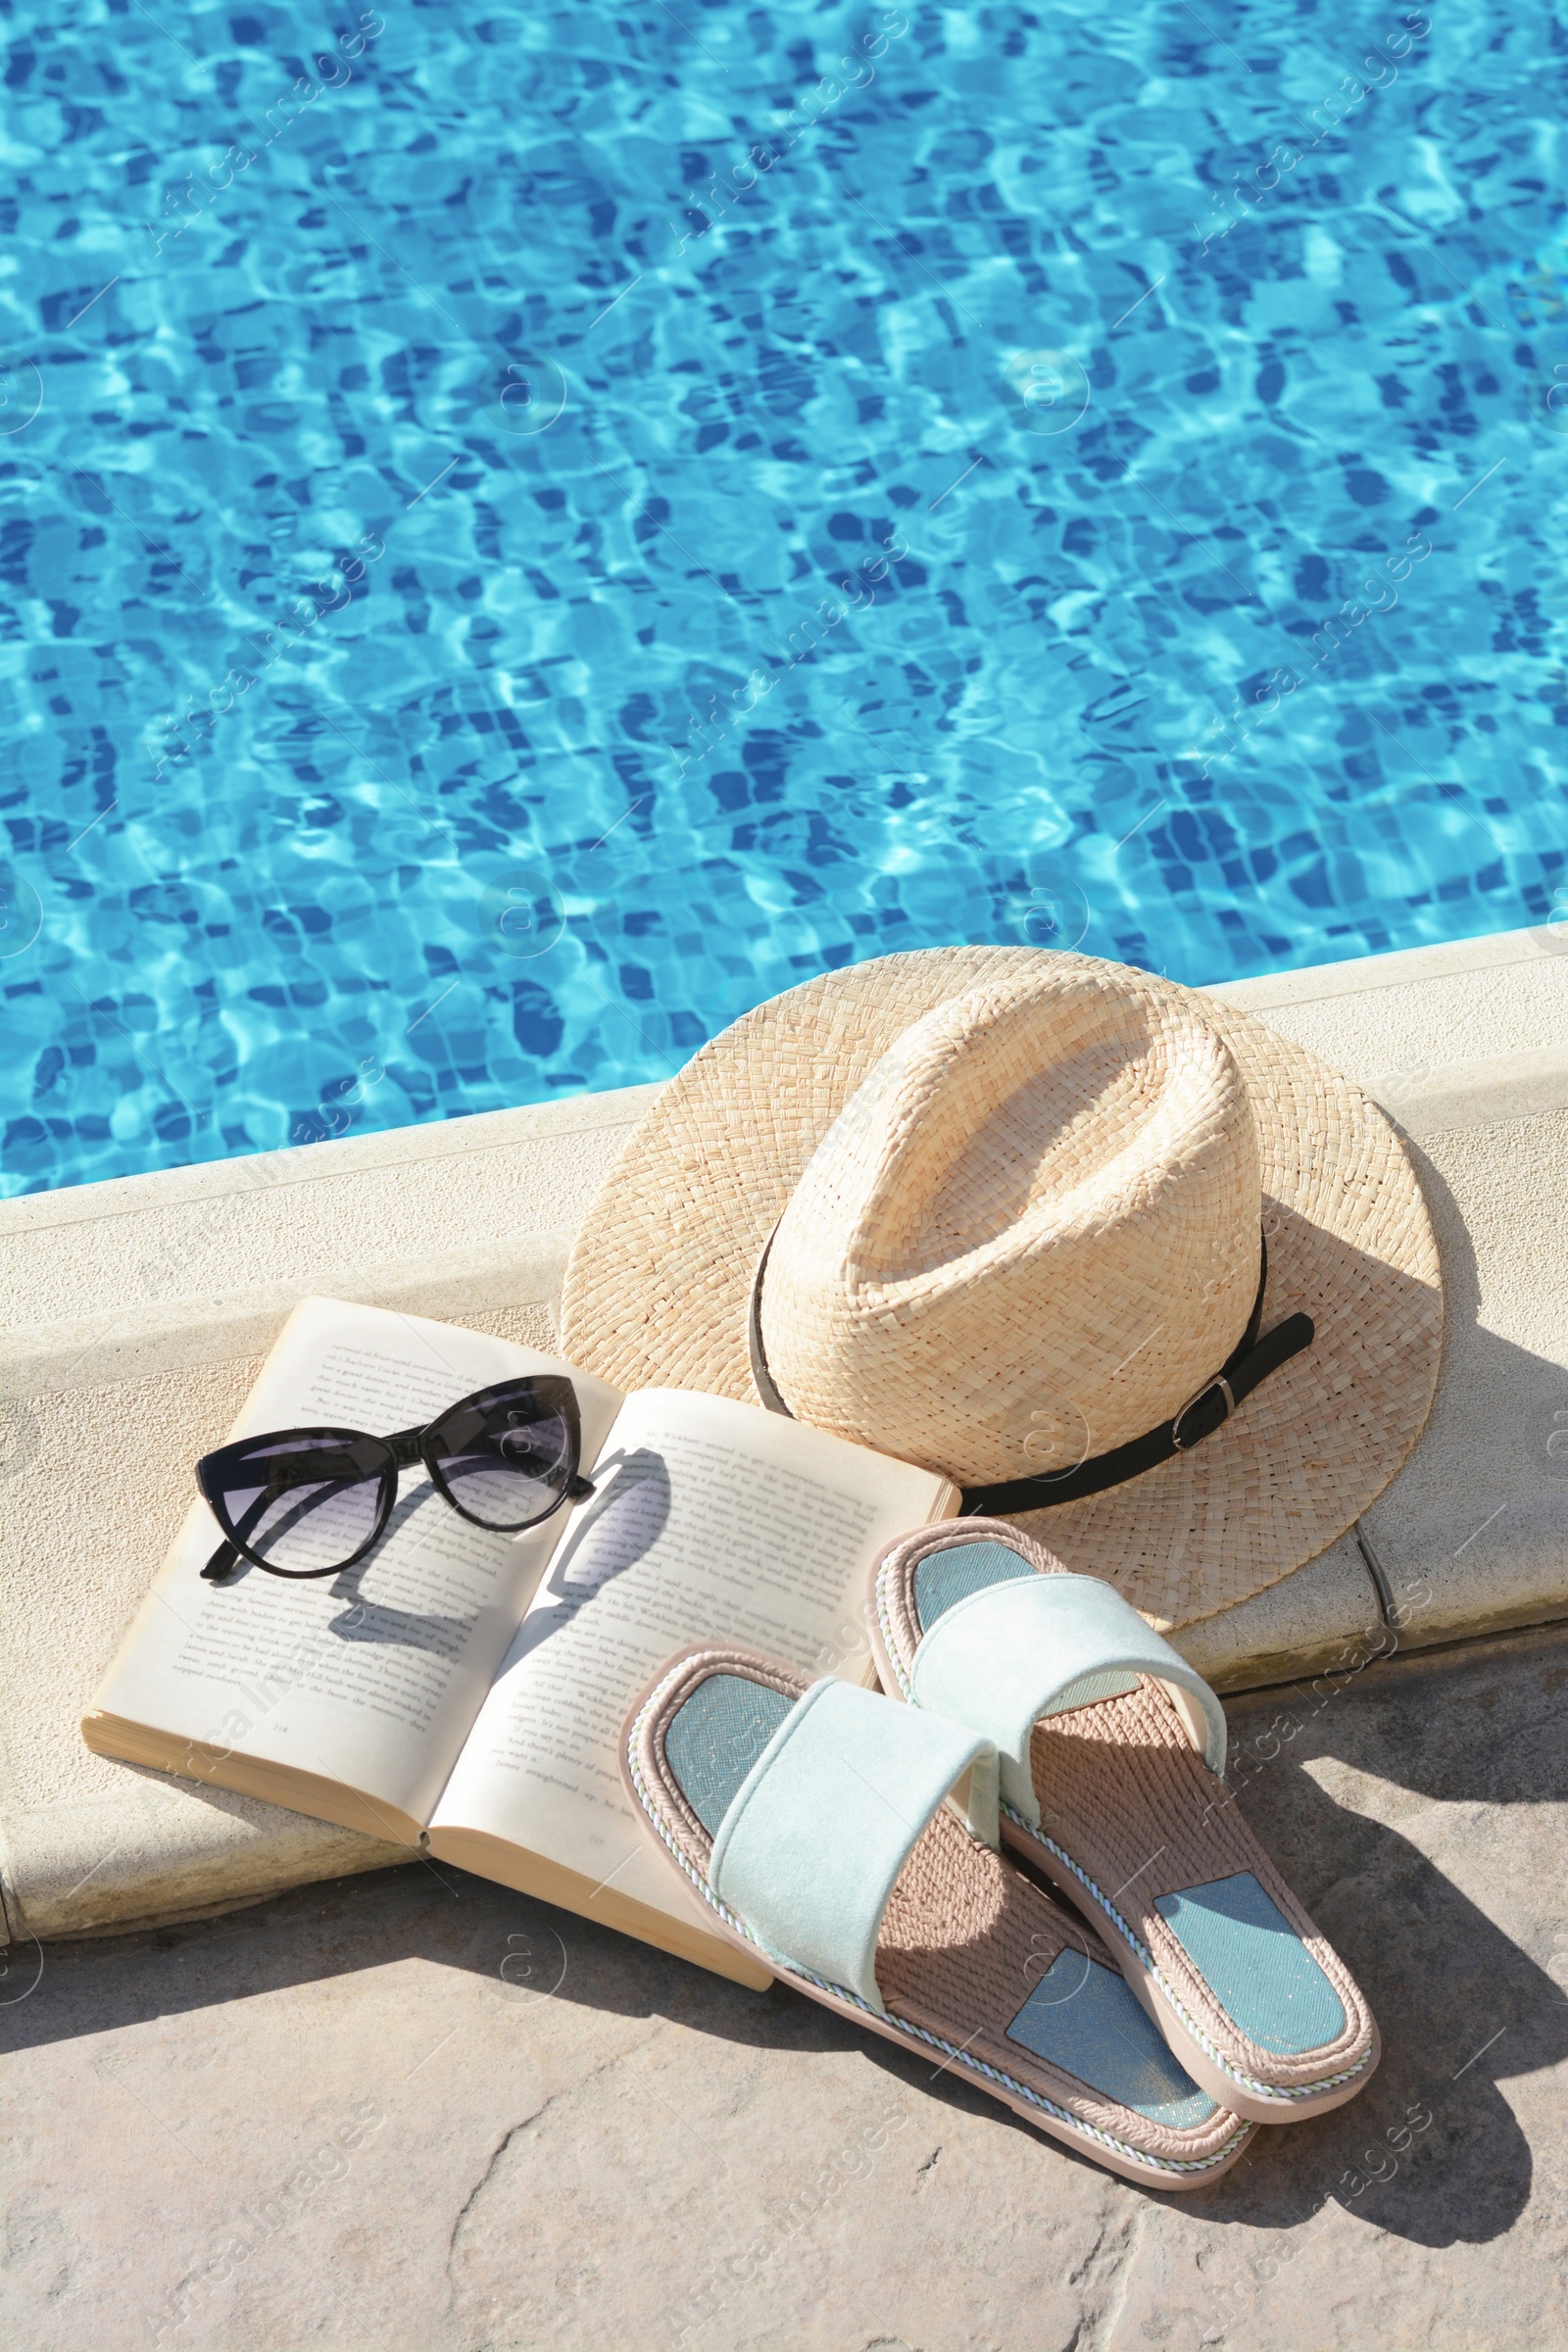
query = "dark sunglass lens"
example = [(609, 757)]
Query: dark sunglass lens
[(506, 1457), (303, 1504)]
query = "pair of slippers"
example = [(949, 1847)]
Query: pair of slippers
[(856, 1844)]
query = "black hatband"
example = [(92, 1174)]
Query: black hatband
[(1250, 1362)]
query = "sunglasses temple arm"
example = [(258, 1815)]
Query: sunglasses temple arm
[(579, 1487), (226, 1558), (224, 1562)]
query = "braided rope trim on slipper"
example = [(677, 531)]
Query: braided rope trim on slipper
[(885, 1627), (906, 2025), (1267, 2090)]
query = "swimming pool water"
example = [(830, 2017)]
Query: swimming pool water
[(523, 533)]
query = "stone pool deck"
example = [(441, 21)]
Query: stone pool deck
[(409, 2109), (409, 2112)]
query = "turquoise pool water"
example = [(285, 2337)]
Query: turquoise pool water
[(523, 532)]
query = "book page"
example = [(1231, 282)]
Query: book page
[(371, 1676), (712, 1521)]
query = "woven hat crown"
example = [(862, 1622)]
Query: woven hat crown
[(1031, 1233)]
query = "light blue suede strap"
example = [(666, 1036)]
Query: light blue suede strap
[(1035, 1645), (816, 1834)]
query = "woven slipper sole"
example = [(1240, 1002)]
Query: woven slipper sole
[(1131, 1815), (965, 1936)]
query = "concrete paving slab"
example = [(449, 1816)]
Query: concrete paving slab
[(415, 2112), (1417, 1008)]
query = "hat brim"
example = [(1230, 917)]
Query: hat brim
[(660, 1275)]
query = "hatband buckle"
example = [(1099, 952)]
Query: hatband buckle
[(1219, 1382)]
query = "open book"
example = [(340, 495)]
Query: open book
[(462, 1692)]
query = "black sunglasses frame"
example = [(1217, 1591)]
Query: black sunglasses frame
[(553, 1395)]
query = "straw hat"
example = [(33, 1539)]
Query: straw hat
[(1003, 1213)]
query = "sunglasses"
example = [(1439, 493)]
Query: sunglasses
[(311, 1502)]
